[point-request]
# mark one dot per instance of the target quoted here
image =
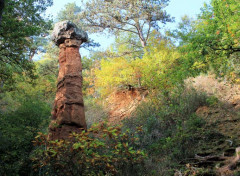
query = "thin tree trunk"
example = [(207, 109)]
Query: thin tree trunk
[(1, 10), (139, 83), (140, 34), (143, 42)]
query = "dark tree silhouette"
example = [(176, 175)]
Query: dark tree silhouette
[(1, 9)]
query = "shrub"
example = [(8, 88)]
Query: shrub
[(212, 101), (99, 151), (161, 116), (170, 130), (17, 130)]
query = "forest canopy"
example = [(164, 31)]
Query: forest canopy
[(21, 36)]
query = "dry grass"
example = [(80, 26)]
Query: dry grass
[(226, 92)]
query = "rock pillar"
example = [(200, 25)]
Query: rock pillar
[(68, 111)]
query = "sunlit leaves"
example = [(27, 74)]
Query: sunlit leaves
[(212, 41), (102, 149), (160, 68), (114, 72)]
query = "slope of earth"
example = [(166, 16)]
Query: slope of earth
[(227, 93), (220, 156), (122, 103)]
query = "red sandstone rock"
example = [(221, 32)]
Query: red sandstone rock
[(68, 111)]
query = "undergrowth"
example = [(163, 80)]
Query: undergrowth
[(160, 139), (170, 130), (102, 150)]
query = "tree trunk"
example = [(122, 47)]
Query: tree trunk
[(144, 43), (139, 83), (1, 10), (140, 34)]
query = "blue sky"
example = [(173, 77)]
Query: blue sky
[(176, 8)]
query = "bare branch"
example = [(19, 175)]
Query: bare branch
[(148, 32)]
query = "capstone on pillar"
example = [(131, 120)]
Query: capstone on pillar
[(68, 112)]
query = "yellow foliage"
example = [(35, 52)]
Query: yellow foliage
[(157, 69), (113, 72)]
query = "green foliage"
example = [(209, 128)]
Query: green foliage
[(99, 151), (212, 101), (165, 126), (24, 111), (160, 68), (170, 132), (43, 87), (126, 45), (1, 9), (114, 73), (17, 130), (19, 46), (191, 170), (212, 41), (137, 17), (71, 12), (94, 111)]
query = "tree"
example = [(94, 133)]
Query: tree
[(17, 131), (71, 12), (126, 45), (160, 68), (212, 41), (24, 111), (137, 17), (22, 23)]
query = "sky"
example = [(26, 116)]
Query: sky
[(176, 8)]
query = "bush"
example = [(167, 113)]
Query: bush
[(212, 101), (161, 116), (17, 130), (99, 151), (170, 130)]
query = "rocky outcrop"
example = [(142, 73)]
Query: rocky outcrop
[(230, 165), (68, 111)]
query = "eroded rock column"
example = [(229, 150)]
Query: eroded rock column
[(68, 111)]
